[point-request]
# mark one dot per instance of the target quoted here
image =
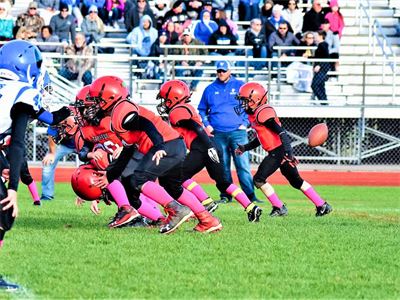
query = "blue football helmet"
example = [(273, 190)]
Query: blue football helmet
[(20, 60)]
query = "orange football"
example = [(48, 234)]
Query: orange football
[(318, 135)]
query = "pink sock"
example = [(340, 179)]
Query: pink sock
[(33, 190), (190, 200), (193, 187), (148, 209), (239, 195), (311, 194), (157, 193), (1, 243), (117, 191), (272, 197)]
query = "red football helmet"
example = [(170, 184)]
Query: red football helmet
[(83, 105), (172, 93), (82, 181), (251, 95), (108, 90)]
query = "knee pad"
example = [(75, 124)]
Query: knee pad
[(296, 182), (174, 191), (258, 183)]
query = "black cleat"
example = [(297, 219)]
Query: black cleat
[(9, 287), (323, 210), (211, 207), (37, 203), (224, 200), (255, 214), (278, 211), (138, 222)]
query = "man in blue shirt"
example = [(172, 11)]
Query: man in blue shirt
[(216, 109), (50, 161)]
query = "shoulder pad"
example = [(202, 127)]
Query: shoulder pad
[(264, 113), (179, 113), (120, 113)]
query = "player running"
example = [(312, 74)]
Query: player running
[(175, 98), (253, 98)]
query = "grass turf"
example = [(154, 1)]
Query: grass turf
[(62, 251)]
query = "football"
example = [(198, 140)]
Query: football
[(318, 135)]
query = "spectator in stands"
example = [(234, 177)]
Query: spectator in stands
[(78, 68), (47, 36), (143, 36), (47, 9), (177, 14), (223, 37), (74, 9), (172, 35), (115, 10), (205, 27), (134, 11), (101, 9), (63, 25), (320, 68), (335, 18), (50, 161), (29, 23), (266, 10), (159, 10), (333, 41), (294, 16), (282, 37), (155, 68), (6, 23), (248, 9), (216, 109), (308, 40), (92, 26), (256, 38), (187, 39), (193, 8), (313, 19), (273, 22), (220, 15)]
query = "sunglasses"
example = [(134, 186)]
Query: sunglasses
[(32, 8), (283, 28), (93, 12), (221, 71)]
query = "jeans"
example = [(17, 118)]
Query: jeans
[(49, 170), (227, 143)]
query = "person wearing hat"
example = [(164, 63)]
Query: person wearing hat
[(223, 37), (217, 112), (29, 23), (313, 18), (177, 14), (93, 26), (205, 27), (188, 39), (134, 11), (335, 18), (64, 25), (6, 23)]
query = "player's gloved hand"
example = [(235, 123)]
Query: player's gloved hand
[(61, 114), (240, 150), (291, 159), (213, 154)]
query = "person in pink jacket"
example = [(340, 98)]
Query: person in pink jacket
[(335, 18), (115, 9)]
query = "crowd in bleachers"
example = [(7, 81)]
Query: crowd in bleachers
[(186, 22)]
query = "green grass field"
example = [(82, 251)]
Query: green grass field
[(62, 251)]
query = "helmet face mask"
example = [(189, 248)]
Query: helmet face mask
[(172, 93), (251, 96), (66, 129)]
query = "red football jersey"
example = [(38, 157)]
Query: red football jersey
[(101, 134), (123, 110), (186, 111), (269, 140)]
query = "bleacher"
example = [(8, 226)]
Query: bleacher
[(380, 83)]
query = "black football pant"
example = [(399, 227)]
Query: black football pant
[(6, 218), (274, 161), (168, 172), (198, 158)]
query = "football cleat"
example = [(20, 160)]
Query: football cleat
[(207, 223), (278, 211), (255, 214), (125, 214), (211, 207), (177, 215), (137, 222), (323, 210), (37, 203), (9, 287)]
